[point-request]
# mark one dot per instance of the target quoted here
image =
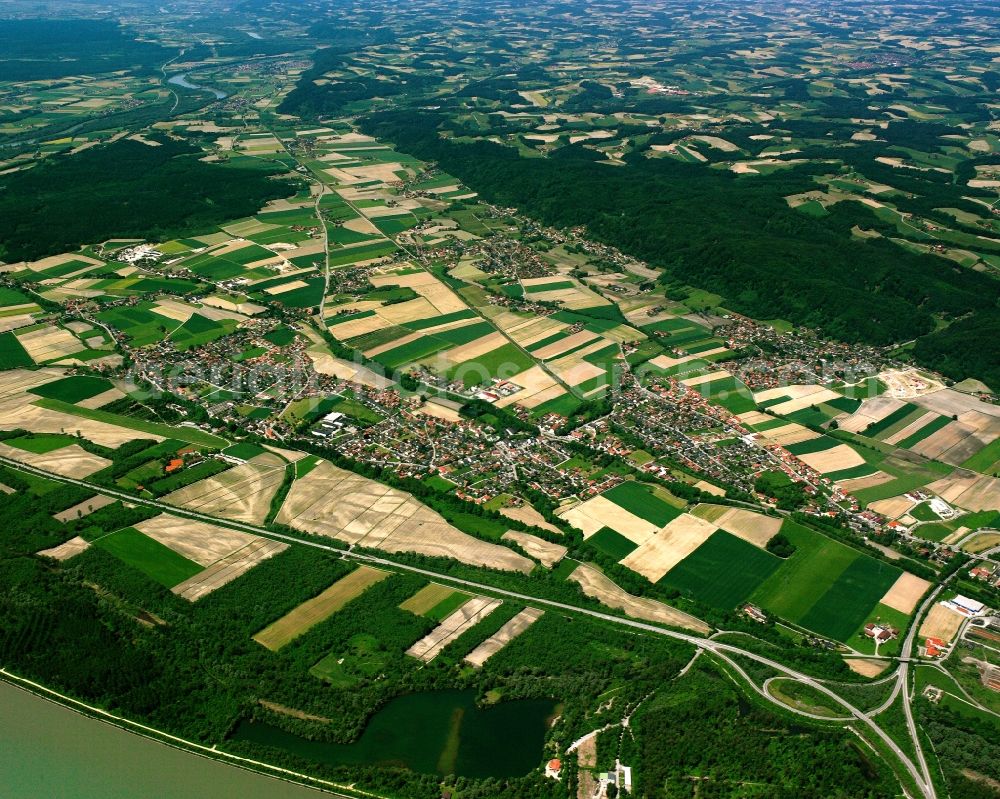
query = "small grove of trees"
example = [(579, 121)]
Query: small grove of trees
[(779, 545)]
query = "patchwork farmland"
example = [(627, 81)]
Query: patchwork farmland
[(349, 286)]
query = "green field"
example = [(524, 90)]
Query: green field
[(139, 324), (149, 556), (926, 431), (722, 572), (280, 336), (881, 614), (244, 451), (556, 285), (198, 330), (447, 606), (505, 361), (406, 354), (908, 476), (364, 658), (12, 354), (434, 321), (611, 543), (305, 465), (9, 297), (74, 388), (923, 513), (849, 601), (639, 500), (40, 443), (986, 459), (820, 444), (818, 562), (875, 429)]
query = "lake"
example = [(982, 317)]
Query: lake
[(433, 732), (49, 750), (184, 83)]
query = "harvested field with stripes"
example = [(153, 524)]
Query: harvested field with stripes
[(941, 622), (471, 613), (659, 553), (242, 494), (50, 343), (334, 502), (905, 593), (315, 610), (545, 552), (198, 541), (228, 568), (831, 460), (797, 397), (72, 461), (787, 434), (66, 550), (968, 490), (607, 592), (521, 622)]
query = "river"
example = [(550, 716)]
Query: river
[(184, 83), (49, 750)]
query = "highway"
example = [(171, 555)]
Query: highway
[(920, 776)]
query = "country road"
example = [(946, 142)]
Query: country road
[(920, 776)]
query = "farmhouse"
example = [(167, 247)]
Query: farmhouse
[(880, 634), (934, 647), (552, 768)]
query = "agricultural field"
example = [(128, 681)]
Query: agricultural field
[(333, 502), (242, 493), (439, 288), (825, 586), (452, 626), (156, 560), (595, 584), (435, 602), (282, 631), (631, 509), (722, 572)]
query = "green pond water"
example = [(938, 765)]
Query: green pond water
[(434, 732), (50, 751)]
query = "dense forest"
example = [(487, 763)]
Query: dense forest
[(125, 190), (42, 49), (735, 236), (699, 738)]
